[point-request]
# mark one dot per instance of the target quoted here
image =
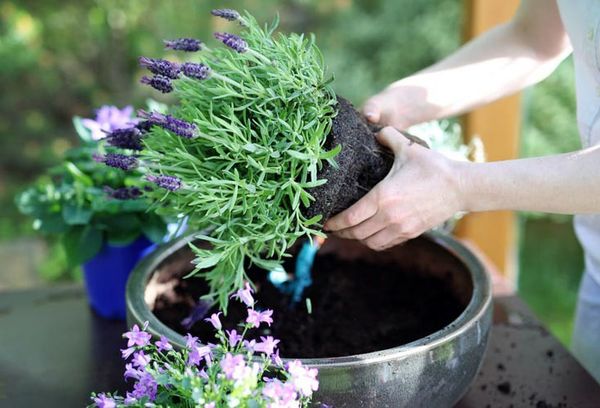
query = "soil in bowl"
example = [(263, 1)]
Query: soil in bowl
[(357, 306)]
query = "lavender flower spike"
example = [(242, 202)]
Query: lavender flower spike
[(227, 14), (197, 71), (179, 127), (125, 138), (118, 161), (123, 193), (161, 67), (159, 82), (184, 44), (232, 41), (170, 183)]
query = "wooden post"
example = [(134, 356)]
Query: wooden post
[(498, 125)]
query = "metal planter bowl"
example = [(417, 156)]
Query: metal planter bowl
[(431, 372)]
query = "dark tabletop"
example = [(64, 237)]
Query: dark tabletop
[(54, 351)]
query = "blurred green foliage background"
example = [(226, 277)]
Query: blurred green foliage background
[(65, 58)]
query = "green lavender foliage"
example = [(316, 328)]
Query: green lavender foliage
[(263, 117)]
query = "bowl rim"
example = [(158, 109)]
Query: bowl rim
[(479, 304)]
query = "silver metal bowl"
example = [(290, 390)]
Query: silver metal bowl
[(431, 372)]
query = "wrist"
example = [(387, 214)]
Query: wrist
[(465, 178)]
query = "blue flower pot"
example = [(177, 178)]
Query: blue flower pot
[(106, 275)]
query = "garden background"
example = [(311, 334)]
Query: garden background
[(68, 57)]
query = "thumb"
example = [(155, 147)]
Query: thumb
[(394, 140), (372, 110)]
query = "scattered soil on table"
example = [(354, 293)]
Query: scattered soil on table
[(357, 307)]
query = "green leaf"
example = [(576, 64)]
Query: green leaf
[(82, 244), (153, 227), (331, 153), (84, 133), (51, 224), (122, 237), (74, 214)]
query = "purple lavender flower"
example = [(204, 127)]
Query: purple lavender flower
[(256, 318), (163, 344), (109, 118), (184, 44), (245, 295), (227, 14), (215, 321), (161, 67), (104, 401), (137, 337), (123, 193), (232, 41), (170, 183), (267, 345), (125, 138), (194, 70), (117, 160), (159, 82), (144, 126), (180, 127)]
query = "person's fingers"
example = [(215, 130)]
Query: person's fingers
[(394, 140), (363, 230), (362, 210), (372, 110), (382, 239)]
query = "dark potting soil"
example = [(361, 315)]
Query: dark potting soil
[(357, 307), (362, 163)]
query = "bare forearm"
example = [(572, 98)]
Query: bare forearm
[(567, 183)]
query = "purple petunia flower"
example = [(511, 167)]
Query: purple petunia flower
[(195, 70), (245, 295), (170, 183), (137, 337), (163, 344), (131, 372), (179, 127), (184, 44), (161, 67), (104, 401), (267, 345), (117, 160), (109, 118), (140, 359), (215, 321), (159, 82), (125, 138), (232, 41), (227, 14), (123, 193), (256, 318)]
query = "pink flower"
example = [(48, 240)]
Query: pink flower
[(126, 353), (109, 118), (138, 337), (197, 353), (233, 337), (280, 394), (103, 401), (245, 295), (304, 379), (233, 366), (140, 359), (163, 344), (190, 341), (214, 320), (256, 318), (131, 372), (267, 345)]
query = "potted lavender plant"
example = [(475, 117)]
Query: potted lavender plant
[(257, 152), (98, 212)]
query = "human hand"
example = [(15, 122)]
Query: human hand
[(421, 191), (399, 105)]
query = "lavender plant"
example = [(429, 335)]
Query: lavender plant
[(236, 372), (240, 150)]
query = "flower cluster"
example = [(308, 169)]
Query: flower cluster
[(233, 373), (240, 149)]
